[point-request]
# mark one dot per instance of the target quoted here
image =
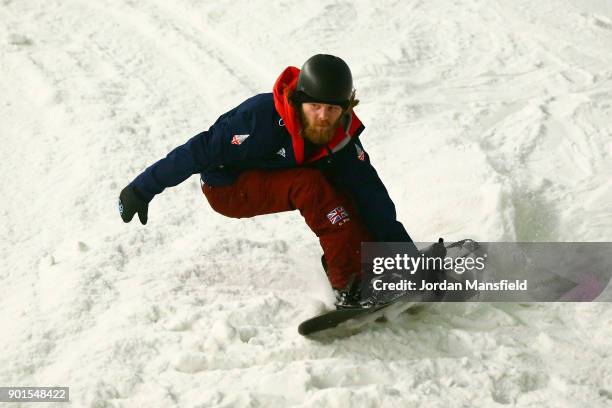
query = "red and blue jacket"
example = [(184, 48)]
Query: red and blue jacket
[(264, 132)]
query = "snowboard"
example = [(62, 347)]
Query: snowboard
[(331, 319)]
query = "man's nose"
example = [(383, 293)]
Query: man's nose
[(322, 114)]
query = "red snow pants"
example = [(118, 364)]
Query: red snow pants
[(328, 212)]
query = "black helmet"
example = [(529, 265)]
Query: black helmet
[(325, 79)]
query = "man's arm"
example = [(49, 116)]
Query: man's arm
[(352, 170), (207, 150), (228, 141)]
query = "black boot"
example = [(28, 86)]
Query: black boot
[(349, 297)]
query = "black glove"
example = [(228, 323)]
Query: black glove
[(130, 203)]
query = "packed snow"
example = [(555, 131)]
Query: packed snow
[(486, 119)]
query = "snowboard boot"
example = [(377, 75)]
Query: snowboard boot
[(352, 296), (349, 297)]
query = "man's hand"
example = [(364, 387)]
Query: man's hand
[(131, 203)]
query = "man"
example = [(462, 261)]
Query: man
[(295, 148)]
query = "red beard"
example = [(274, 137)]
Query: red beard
[(319, 132)]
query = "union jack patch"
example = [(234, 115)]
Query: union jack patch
[(238, 139), (360, 153), (338, 215)]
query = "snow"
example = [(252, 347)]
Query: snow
[(486, 119)]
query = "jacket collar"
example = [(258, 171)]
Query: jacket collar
[(285, 83)]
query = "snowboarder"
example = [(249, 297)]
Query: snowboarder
[(295, 148)]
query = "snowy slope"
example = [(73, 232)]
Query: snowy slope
[(487, 119)]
